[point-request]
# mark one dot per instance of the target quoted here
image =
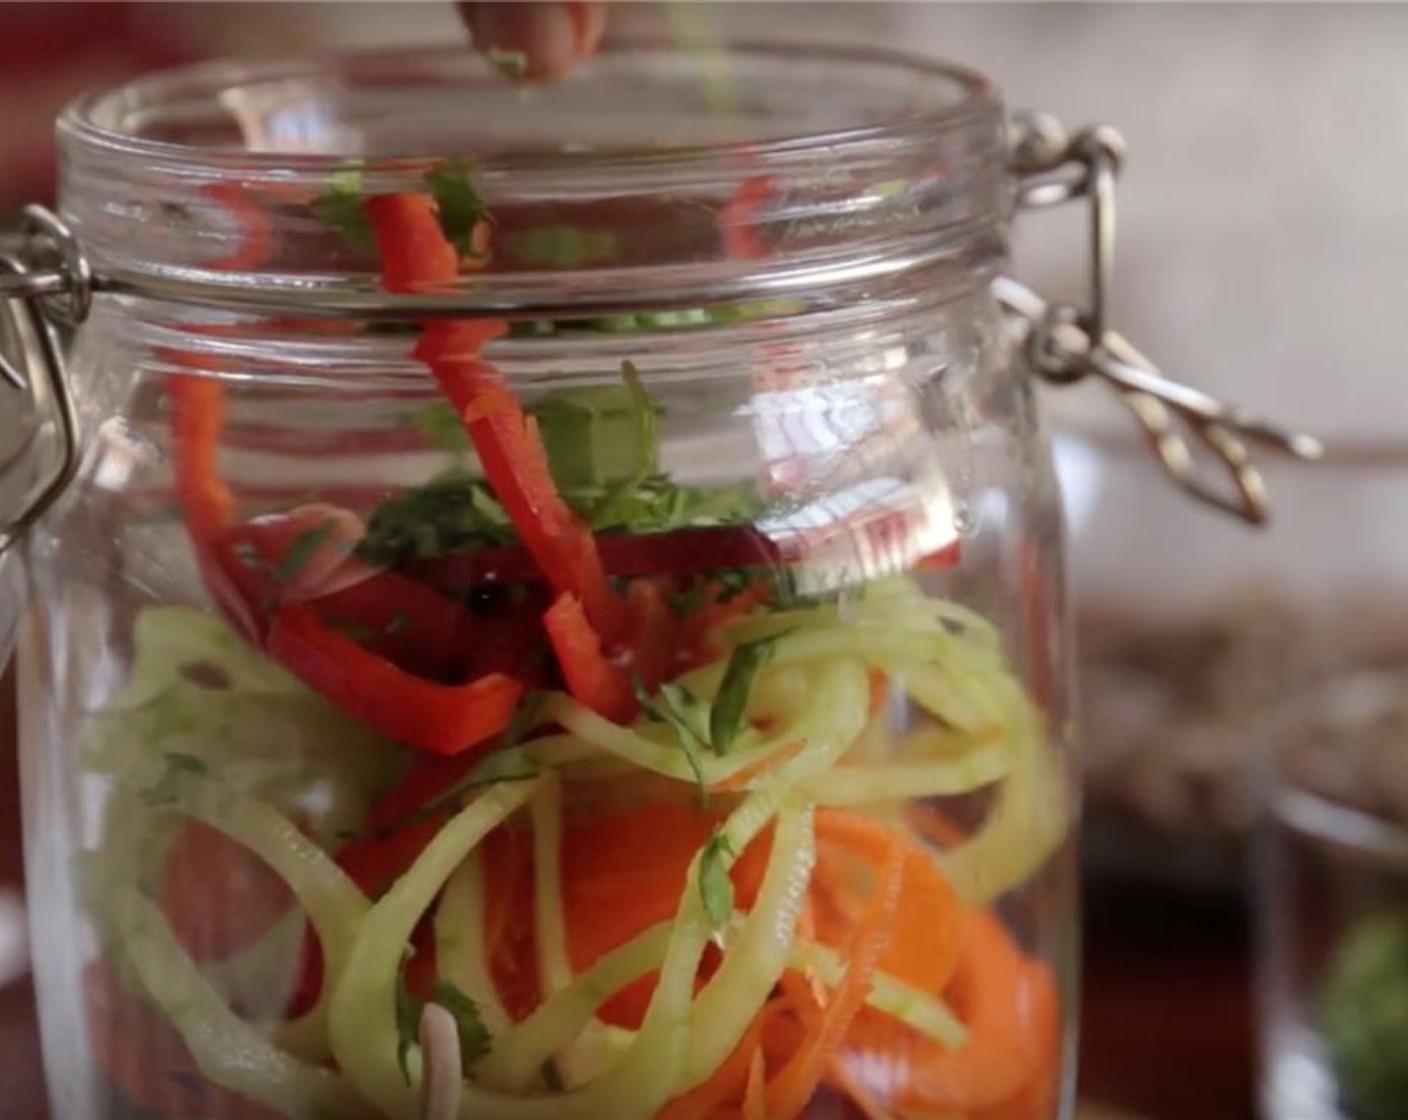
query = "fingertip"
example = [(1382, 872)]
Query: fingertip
[(552, 37)]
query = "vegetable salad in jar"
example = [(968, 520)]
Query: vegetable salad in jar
[(577, 776)]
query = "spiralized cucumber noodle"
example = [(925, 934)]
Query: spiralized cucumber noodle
[(810, 743)]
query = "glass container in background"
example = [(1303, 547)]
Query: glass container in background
[(737, 536), (1332, 901), (1190, 627)]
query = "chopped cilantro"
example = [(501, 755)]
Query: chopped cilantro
[(488, 772), (399, 621), (408, 1009), (514, 64), (726, 713), (681, 710), (552, 1076), (715, 886), (473, 1035), (340, 206), (449, 514), (457, 203), (301, 549)]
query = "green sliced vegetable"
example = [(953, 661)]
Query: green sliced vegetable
[(340, 206), (459, 206), (726, 714), (715, 886)]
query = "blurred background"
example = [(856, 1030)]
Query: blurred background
[(1263, 230)]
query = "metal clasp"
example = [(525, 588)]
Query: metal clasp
[(1065, 343), (43, 277)]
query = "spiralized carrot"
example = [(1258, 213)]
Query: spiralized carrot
[(790, 1090), (745, 776)]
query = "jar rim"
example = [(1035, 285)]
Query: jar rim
[(902, 181), (108, 117)]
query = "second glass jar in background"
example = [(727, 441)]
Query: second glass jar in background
[(1192, 627)]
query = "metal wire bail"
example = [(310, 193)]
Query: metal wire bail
[(1189, 431), (43, 275)]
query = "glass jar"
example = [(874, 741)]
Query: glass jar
[(574, 634)]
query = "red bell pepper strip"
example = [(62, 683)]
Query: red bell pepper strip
[(390, 614), (590, 677), (674, 552), (415, 253), (738, 221), (444, 719), (198, 416)]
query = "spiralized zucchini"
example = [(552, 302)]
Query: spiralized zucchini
[(812, 737), (228, 1051)]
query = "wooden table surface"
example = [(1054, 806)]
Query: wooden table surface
[(1166, 1020)]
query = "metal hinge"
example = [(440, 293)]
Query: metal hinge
[(1064, 343)]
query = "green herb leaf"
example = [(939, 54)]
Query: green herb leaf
[(302, 549), (552, 1076), (490, 771), (691, 599), (442, 428), (340, 206), (399, 621), (647, 419), (408, 1009), (475, 1041), (449, 514), (514, 64), (676, 709), (726, 714), (715, 886), (457, 203)]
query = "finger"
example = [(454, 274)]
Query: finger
[(552, 36)]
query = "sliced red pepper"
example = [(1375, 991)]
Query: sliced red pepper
[(415, 253), (677, 552), (444, 719), (390, 614), (207, 506), (590, 677), (738, 221), (656, 635)]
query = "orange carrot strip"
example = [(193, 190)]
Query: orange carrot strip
[(1011, 1008), (879, 691), (740, 778), (923, 948), (727, 1082), (755, 1106), (789, 1092)]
